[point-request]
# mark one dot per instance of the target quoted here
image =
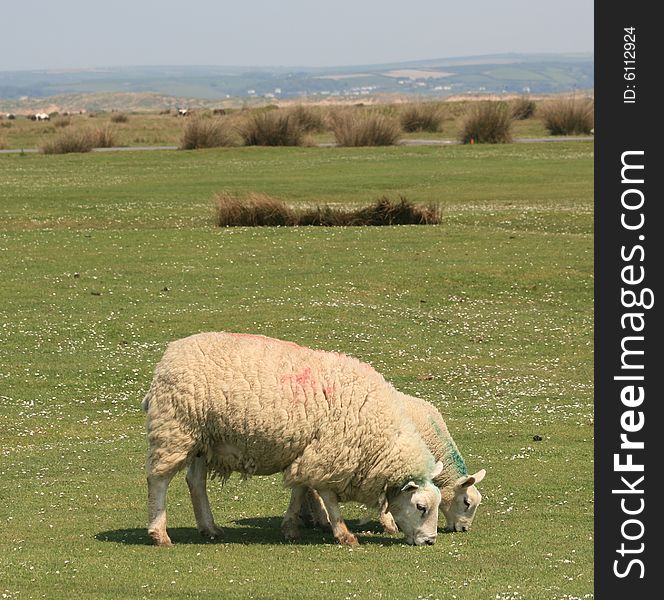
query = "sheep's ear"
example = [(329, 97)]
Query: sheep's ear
[(471, 479), (437, 470), (411, 485)]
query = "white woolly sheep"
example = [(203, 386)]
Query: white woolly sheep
[(460, 497), (246, 403)]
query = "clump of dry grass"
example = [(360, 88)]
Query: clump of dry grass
[(310, 118), (424, 116), (569, 116), (357, 127), (260, 209), (523, 108), (254, 210), (272, 127), (119, 118), (103, 137), (79, 140), (217, 132), (487, 123), (70, 140), (62, 122)]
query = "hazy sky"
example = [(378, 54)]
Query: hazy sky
[(47, 34)]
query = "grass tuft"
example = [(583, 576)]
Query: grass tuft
[(262, 210), (523, 108), (487, 123), (310, 118), (569, 116), (357, 127), (216, 132), (119, 118), (254, 210), (425, 116), (273, 127)]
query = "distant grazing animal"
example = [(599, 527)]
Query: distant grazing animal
[(243, 403), (460, 497), (42, 117), (183, 112)]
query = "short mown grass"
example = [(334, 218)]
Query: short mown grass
[(106, 257)]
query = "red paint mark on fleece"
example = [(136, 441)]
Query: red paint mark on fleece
[(298, 381)]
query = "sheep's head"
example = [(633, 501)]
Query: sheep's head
[(460, 500), (414, 507)]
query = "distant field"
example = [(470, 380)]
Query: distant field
[(108, 256), (152, 129)]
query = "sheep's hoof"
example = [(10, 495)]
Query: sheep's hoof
[(348, 539), (160, 538), (291, 531), (212, 532)]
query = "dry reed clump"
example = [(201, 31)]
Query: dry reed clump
[(523, 108), (487, 123), (358, 127), (569, 116), (216, 132), (119, 118), (79, 140), (103, 137), (272, 127), (62, 122), (254, 210), (425, 116), (260, 210), (310, 118)]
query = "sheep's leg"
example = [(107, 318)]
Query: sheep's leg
[(387, 521), (290, 526), (197, 483), (339, 528), (315, 510), (157, 488)]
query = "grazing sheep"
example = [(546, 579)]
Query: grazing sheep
[(460, 497), (228, 402)]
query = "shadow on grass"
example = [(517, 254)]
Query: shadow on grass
[(256, 530)]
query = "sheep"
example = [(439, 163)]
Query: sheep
[(460, 497), (225, 402)]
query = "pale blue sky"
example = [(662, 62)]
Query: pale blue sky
[(50, 34)]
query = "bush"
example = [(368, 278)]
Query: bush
[(260, 209), (523, 108), (271, 127), (200, 132), (569, 116), (119, 118), (487, 123), (357, 127), (426, 116)]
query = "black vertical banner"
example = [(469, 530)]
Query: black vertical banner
[(629, 267)]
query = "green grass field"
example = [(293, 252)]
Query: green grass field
[(106, 257)]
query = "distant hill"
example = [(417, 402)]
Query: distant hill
[(495, 74)]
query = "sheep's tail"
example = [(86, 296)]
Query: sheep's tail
[(146, 401)]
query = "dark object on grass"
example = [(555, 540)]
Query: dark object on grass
[(537, 438)]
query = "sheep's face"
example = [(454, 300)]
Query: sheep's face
[(460, 501), (415, 510)]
